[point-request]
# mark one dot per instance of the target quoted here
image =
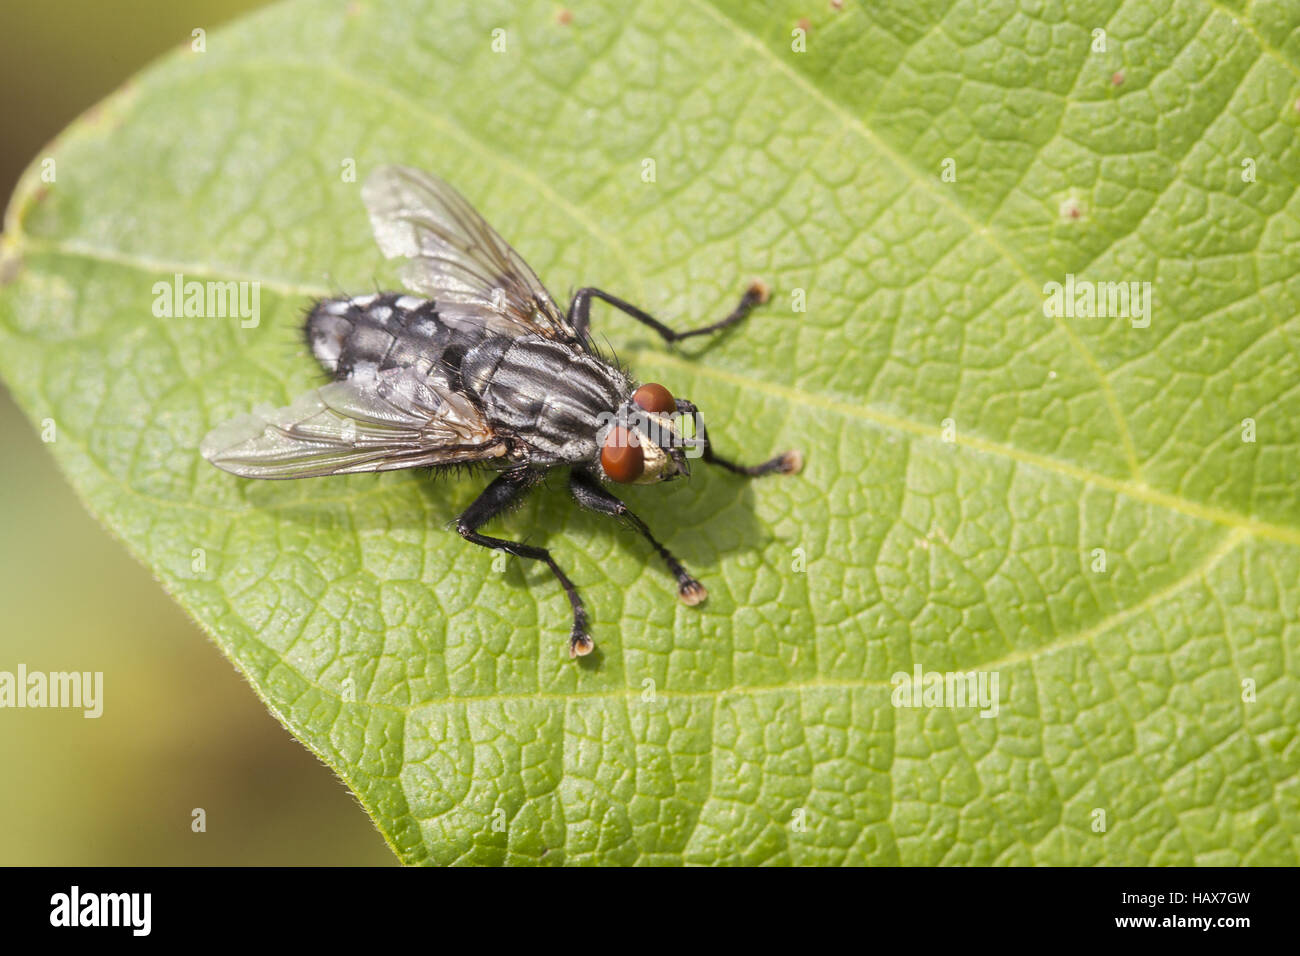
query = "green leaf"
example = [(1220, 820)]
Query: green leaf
[(1066, 502)]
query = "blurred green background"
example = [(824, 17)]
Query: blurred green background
[(180, 728)]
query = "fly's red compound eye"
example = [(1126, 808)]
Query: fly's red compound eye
[(622, 457), (653, 397)]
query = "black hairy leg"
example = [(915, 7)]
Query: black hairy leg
[(786, 463), (507, 490), (589, 494), (580, 312)]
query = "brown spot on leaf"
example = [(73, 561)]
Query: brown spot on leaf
[(11, 263)]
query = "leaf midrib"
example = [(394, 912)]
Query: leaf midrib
[(1224, 547), (1134, 487), (978, 231), (1134, 490), (398, 820)]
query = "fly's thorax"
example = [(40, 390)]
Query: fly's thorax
[(479, 365), (550, 395)]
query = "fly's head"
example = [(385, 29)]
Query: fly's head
[(642, 442)]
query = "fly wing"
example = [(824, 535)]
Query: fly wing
[(394, 420), (456, 258)]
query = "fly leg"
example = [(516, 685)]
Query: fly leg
[(580, 312), (589, 494), (504, 492), (786, 463)]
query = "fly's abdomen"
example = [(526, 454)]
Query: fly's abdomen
[(372, 333)]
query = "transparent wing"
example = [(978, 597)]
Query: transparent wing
[(456, 258), (395, 420)]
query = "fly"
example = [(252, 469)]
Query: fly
[(481, 368)]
